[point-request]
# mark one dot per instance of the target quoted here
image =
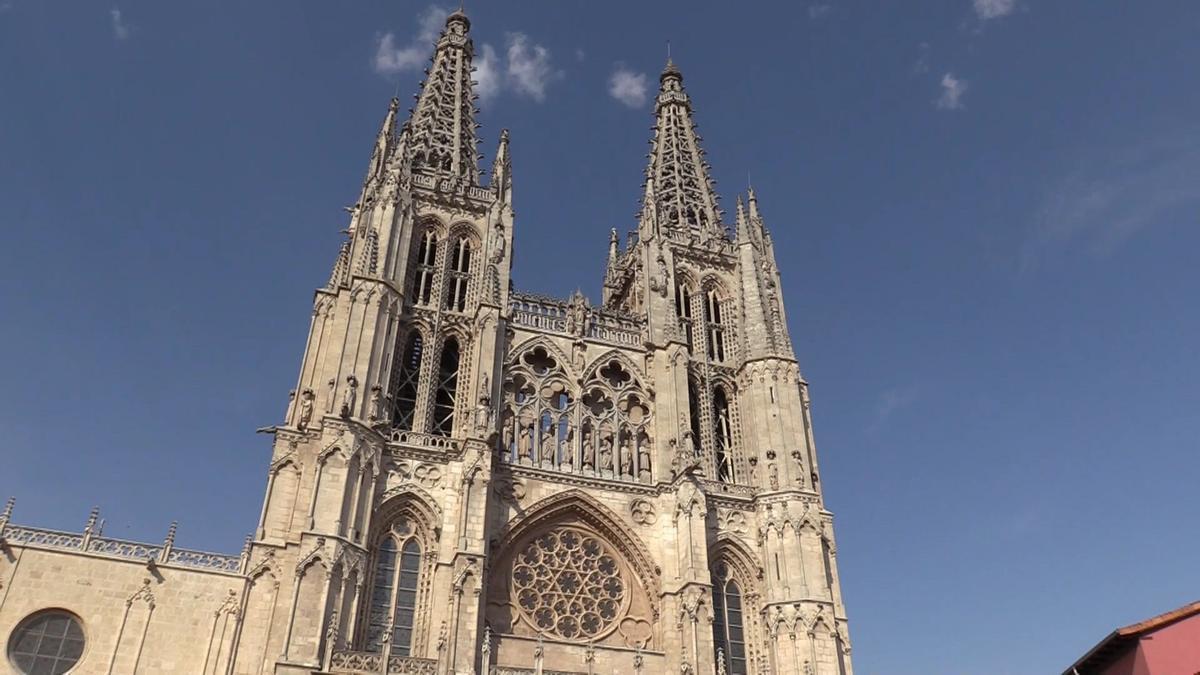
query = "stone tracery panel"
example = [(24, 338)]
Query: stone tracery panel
[(568, 583)]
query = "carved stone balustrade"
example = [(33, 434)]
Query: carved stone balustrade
[(345, 661)]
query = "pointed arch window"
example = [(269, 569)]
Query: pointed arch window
[(694, 410), (460, 274), (421, 291), (395, 585), (683, 309), (722, 436), (446, 397), (714, 326), (406, 373), (729, 635)]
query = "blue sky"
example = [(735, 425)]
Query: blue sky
[(986, 214)]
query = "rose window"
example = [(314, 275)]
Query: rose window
[(567, 583)]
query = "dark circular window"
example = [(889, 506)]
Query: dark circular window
[(47, 643)]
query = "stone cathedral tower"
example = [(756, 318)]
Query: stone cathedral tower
[(471, 479)]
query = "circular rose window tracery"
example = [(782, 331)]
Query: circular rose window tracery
[(566, 582)]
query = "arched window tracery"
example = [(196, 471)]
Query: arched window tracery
[(458, 275), (602, 430), (405, 380), (446, 396), (395, 597), (424, 268), (683, 310), (729, 628)]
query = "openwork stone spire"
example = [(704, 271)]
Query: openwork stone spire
[(443, 141), (678, 187)]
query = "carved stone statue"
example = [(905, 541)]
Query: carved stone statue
[(577, 314), (626, 458), (483, 409), (306, 409), (685, 460), (351, 399), (497, 244), (644, 461), (606, 454), (331, 386), (589, 453), (376, 413), (548, 445), (773, 475), (525, 443)]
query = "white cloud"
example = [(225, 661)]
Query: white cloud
[(993, 9), (121, 30), (818, 10), (529, 70), (391, 59), (628, 87), (487, 73), (952, 93), (1116, 192)]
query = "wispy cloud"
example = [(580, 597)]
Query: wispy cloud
[(993, 9), (953, 89), (890, 402), (818, 10), (529, 67), (120, 29), (628, 87), (1117, 193), (391, 58)]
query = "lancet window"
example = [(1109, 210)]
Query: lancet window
[(421, 291), (446, 397), (405, 379), (729, 634), (683, 310), (459, 274), (714, 327), (395, 587), (722, 436)]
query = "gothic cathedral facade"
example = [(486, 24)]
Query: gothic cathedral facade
[(471, 479)]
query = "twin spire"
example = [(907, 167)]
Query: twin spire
[(441, 131), (679, 191)]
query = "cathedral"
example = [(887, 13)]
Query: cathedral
[(471, 479)]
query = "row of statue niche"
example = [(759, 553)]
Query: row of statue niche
[(549, 447)]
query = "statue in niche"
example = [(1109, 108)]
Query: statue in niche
[(626, 457), (589, 453), (291, 402), (525, 443), (351, 400), (548, 445), (644, 461), (683, 460), (579, 359), (773, 475), (483, 409), (606, 454), (687, 444), (331, 386), (660, 281), (577, 314), (306, 409), (497, 244), (754, 471), (799, 466), (376, 413), (506, 447)]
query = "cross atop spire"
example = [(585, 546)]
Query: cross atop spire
[(677, 181), (443, 141)]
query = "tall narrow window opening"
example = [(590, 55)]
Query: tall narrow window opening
[(447, 389), (694, 411), (406, 371), (722, 436), (728, 629), (406, 599), (381, 594), (460, 274), (715, 327), (422, 287), (683, 309)]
